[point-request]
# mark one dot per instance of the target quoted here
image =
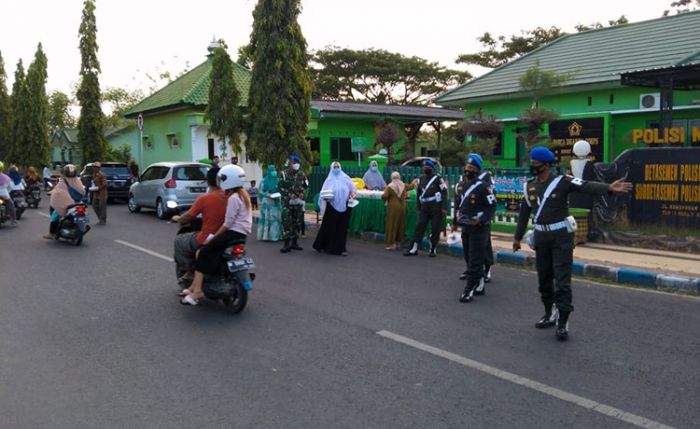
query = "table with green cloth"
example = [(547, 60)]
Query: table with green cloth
[(370, 216)]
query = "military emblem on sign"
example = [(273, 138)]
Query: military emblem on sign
[(575, 129)]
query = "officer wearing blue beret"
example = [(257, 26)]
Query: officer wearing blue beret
[(432, 206), (547, 196), (474, 206)]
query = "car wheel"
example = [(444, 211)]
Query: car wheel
[(131, 204), (160, 209)]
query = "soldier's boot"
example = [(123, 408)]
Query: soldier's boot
[(433, 250), (549, 319), (413, 251), (295, 245), (463, 276), (468, 294), (480, 289), (286, 248), (487, 273), (562, 331)]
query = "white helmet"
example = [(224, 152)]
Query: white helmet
[(230, 176)]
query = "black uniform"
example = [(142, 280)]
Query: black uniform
[(554, 245), (432, 200), (488, 180), (474, 199)]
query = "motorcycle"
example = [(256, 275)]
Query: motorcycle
[(33, 196), (231, 285), (4, 212), (74, 225), (20, 202)]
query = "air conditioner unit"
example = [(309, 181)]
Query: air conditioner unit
[(650, 101)]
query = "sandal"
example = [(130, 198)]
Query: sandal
[(189, 300), (184, 292)]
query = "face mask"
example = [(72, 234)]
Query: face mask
[(534, 170), (427, 170), (336, 171), (295, 166), (273, 173), (470, 174), (374, 168)]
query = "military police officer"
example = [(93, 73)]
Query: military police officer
[(292, 185), (431, 191), (474, 207), (546, 195), (485, 177)]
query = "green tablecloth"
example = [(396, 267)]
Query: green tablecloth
[(370, 216)]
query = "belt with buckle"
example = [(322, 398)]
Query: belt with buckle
[(551, 227)]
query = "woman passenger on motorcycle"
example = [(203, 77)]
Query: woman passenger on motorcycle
[(18, 183), (69, 191), (237, 225), (32, 179), (5, 183)]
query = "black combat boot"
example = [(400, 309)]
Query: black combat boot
[(480, 288), (549, 319), (467, 295), (463, 276), (487, 273), (296, 246), (562, 331), (286, 248)]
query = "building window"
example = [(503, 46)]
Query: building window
[(210, 148), (612, 99), (498, 147), (341, 149), (590, 100), (315, 146)]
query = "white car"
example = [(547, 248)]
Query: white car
[(168, 187)]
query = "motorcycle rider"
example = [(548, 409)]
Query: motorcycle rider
[(212, 207), (5, 183), (237, 225), (68, 191)]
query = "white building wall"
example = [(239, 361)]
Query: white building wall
[(200, 136)]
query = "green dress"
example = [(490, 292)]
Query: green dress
[(270, 221)]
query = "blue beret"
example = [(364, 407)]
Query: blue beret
[(475, 159), (542, 154), (430, 163), (295, 158)]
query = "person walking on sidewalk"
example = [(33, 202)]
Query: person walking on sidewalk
[(547, 194), (432, 207), (99, 195), (474, 205), (291, 187)]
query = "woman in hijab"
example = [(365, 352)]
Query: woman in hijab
[(333, 234), (69, 191), (18, 183), (373, 178), (395, 197), (269, 225)]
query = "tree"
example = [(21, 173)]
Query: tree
[(245, 56), (59, 111), (19, 133), (483, 133), (5, 112), (90, 124), (223, 112), (501, 50), (387, 133), (38, 148), (119, 101), (379, 76), (538, 83), (683, 6), (280, 89)]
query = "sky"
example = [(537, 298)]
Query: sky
[(139, 37)]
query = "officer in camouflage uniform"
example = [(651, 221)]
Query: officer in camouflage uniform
[(431, 191), (292, 186), (474, 206), (547, 196)]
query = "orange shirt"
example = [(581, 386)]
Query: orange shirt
[(212, 207)]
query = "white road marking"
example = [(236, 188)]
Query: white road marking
[(43, 214), (144, 250), (530, 384)]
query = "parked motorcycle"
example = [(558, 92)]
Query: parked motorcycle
[(235, 278), (33, 196), (20, 202), (74, 225)]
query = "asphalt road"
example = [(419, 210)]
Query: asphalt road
[(94, 337)]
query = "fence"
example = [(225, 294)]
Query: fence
[(508, 181)]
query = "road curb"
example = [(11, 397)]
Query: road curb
[(622, 275)]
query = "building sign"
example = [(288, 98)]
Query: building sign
[(666, 185), (359, 144), (675, 135), (565, 133)]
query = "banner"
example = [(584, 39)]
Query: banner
[(666, 185)]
